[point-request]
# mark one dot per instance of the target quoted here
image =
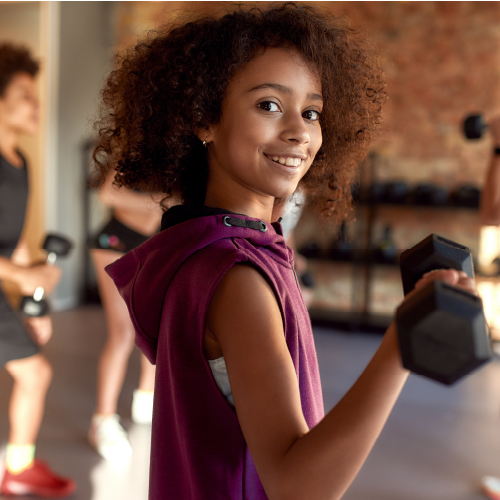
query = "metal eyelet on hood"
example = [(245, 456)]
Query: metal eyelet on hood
[(229, 221)]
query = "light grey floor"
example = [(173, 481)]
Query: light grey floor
[(437, 444)]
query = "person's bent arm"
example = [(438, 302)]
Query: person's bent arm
[(127, 199), (21, 256), (294, 462), (28, 276), (490, 195), (9, 271)]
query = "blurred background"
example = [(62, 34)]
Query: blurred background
[(423, 175), (442, 63)]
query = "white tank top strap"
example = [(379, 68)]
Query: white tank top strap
[(219, 371)]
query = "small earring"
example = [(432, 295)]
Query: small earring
[(205, 143)]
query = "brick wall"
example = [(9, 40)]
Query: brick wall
[(442, 61)]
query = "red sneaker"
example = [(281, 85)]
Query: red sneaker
[(490, 486), (38, 480)]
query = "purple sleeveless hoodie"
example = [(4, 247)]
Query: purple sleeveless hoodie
[(198, 451)]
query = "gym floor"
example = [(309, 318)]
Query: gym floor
[(437, 444)]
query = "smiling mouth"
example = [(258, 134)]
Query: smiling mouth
[(287, 161)]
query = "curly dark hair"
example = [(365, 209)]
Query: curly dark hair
[(15, 59), (174, 81)]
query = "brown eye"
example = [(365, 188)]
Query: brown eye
[(311, 115), (269, 106)]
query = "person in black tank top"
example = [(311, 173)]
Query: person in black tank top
[(136, 217), (20, 338)]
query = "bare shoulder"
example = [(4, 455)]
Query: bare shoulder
[(243, 293)]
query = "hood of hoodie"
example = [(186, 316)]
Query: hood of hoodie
[(143, 275)]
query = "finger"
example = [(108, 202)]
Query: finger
[(43, 339), (450, 276), (468, 284)]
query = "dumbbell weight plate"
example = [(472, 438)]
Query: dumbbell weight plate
[(434, 252), (57, 244), (34, 308), (474, 126), (442, 332)]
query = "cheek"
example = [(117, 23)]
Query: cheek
[(245, 138), (317, 140), (18, 113), (26, 115)]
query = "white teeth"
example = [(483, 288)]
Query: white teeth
[(289, 162)]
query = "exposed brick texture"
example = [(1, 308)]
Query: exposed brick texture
[(442, 61)]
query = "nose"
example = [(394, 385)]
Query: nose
[(295, 130)]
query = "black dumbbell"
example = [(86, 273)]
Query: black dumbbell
[(307, 280), (441, 329), (56, 246), (474, 126)]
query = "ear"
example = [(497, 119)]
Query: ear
[(205, 134)]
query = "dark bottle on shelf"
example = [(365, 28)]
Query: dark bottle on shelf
[(341, 249), (385, 251), (377, 192), (310, 250), (396, 192), (307, 279), (429, 194), (467, 196)]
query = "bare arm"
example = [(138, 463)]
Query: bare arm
[(28, 277), (294, 462), (9, 271), (12, 269), (127, 199), (21, 255), (490, 196)]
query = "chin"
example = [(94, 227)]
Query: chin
[(284, 191), (33, 130)]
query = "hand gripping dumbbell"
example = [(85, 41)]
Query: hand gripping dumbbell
[(56, 246), (474, 126), (441, 329)]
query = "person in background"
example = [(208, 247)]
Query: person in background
[(136, 217), (20, 339), (490, 194), (291, 211), (490, 216)]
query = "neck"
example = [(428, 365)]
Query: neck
[(227, 194), (9, 141)]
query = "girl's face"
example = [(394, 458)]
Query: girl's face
[(269, 132), (19, 107)]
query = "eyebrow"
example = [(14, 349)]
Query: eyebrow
[(285, 90)]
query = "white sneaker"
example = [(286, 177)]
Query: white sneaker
[(109, 438), (142, 407), (490, 486)]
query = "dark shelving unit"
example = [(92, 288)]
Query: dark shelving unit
[(364, 260)]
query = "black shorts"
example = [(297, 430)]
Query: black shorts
[(15, 341), (117, 236)]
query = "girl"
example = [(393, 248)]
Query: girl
[(135, 218), (20, 340), (235, 112)]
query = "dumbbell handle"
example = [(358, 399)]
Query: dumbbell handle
[(36, 305), (474, 126), (39, 291)]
